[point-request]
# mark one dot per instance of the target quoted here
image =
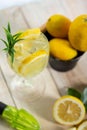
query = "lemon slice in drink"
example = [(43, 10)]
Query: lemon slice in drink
[(83, 126), (24, 45), (34, 63), (68, 110), (30, 33)]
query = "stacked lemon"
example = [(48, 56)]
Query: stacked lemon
[(67, 37)]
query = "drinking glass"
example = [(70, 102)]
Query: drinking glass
[(30, 58)]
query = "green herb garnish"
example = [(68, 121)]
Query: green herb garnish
[(11, 41), (82, 96)]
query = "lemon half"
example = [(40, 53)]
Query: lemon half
[(68, 110)]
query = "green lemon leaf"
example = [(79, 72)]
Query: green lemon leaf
[(73, 92)]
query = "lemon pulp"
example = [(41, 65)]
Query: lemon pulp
[(69, 110)]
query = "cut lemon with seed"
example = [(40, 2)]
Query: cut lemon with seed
[(83, 126), (30, 33), (34, 63), (68, 110)]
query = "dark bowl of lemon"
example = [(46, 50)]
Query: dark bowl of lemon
[(66, 40)]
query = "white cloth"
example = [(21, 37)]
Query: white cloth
[(8, 3)]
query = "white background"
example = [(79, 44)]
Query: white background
[(8, 3)]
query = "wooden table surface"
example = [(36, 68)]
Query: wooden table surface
[(30, 16)]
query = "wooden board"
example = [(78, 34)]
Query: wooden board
[(56, 83)]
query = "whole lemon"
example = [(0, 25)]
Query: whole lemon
[(78, 33), (61, 49), (58, 26)]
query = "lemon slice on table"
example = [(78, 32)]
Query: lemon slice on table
[(68, 110), (34, 63), (83, 126)]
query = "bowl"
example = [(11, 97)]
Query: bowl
[(63, 66), (58, 64)]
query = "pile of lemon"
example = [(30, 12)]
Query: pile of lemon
[(68, 37)]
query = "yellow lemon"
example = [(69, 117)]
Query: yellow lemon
[(83, 126), (68, 110), (60, 48), (58, 26), (36, 61), (78, 33)]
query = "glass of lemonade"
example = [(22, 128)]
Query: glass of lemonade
[(31, 55)]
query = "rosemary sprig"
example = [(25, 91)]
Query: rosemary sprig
[(11, 41)]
